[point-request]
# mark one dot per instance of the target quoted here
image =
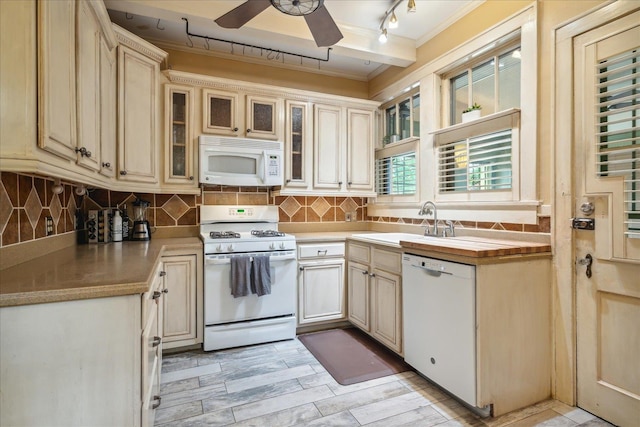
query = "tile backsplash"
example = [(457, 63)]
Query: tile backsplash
[(26, 202)]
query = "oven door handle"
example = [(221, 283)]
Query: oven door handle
[(214, 260)]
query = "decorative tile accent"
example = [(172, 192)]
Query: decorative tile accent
[(176, 207), (290, 206), (349, 205), (5, 207), (56, 209), (320, 206), (33, 207)]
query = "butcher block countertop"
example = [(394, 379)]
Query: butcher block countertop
[(476, 247), (87, 271)]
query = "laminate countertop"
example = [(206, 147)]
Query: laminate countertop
[(87, 271)]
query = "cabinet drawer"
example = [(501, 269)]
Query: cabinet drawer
[(320, 250), (359, 253), (387, 260)]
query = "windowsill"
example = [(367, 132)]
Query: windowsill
[(476, 122), (401, 142)]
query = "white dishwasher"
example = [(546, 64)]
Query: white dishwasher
[(439, 317)]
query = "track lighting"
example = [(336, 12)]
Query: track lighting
[(383, 36), (411, 6), (393, 21)]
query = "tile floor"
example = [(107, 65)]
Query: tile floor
[(282, 384)]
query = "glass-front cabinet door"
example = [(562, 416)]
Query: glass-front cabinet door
[(296, 144), (262, 117), (179, 147), (220, 112)]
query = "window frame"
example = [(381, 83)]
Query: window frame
[(407, 96), (409, 145)]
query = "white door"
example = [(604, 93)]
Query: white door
[(607, 175)]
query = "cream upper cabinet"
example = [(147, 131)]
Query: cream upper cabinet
[(328, 141), (108, 124), (88, 87), (138, 108), (57, 77), (297, 144), (375, 292), (360, 149), (235, 113), (179, 148), (183, 316)]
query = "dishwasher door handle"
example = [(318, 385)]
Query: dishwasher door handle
[(432, 272)]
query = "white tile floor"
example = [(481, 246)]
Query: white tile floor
[(282, 384)]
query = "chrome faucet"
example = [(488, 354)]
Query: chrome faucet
[(429, 208), (450, 228)]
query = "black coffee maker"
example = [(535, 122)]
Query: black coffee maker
[(141, 229)]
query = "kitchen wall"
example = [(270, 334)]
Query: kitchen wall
[(25, 202)]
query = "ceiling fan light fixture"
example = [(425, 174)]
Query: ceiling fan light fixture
[(411, 6), (297, 7), (393, 21), (383, 36)]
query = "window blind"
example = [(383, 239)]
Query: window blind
[(396, 175), (618, 129), (480, 163)]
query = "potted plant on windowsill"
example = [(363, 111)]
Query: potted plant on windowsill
[(471, 113)]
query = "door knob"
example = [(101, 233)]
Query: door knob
[(587, 260)]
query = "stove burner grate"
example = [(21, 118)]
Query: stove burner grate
[(224, 235), (266, 233)]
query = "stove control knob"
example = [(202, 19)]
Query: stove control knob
[(272, 246), (282, 245), (230, 248), (219, 248)]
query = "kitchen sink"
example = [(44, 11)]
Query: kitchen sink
[(394, 238)]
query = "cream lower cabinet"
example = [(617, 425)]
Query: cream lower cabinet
[(321, 291), (374, 283), (182, 310)]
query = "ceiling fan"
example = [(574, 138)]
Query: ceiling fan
[(323, 28)]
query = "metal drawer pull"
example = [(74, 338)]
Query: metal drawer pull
[(156, 341), (156, 295), (163, 273), (322, 253), (157, 399), (365, 272)]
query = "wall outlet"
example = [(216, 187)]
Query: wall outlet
[(348, 217), (49, 225)]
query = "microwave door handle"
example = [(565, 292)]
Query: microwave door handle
[(263, 175)]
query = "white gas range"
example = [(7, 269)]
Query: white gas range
[(244, 233)]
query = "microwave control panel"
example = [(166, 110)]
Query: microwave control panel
[(273, 165)]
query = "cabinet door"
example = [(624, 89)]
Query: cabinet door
[(108, 76), (179, 142), (179, 319), (358, 285), (386, 300), (263, 115), (297, 145), (328, 139), (220, 112), (137, 116), (88, 87), (57, 77), (321, 291), (360, 149)]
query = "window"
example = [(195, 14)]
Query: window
[(618, 134), (481, 163), (494, 83), (396, 174), (402, 118)]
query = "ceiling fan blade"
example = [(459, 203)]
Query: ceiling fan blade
[(323, 28), (242, 14)]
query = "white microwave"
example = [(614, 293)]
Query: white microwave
[(240, 161)]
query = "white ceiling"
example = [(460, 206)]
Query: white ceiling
[(359, 55)]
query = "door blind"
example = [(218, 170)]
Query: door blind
[(480, 163), (618, 129)]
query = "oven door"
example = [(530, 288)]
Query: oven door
[(221, 307)]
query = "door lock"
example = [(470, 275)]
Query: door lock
[(587, 260)]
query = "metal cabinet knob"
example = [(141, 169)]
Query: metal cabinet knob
[(83, 152), (372, 275), (248, 130), (156, 295), (156, 341), (163, 273), (191, 178), (235, 129), (165, 291), (365, 272), (123, 172), (106, 165)]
